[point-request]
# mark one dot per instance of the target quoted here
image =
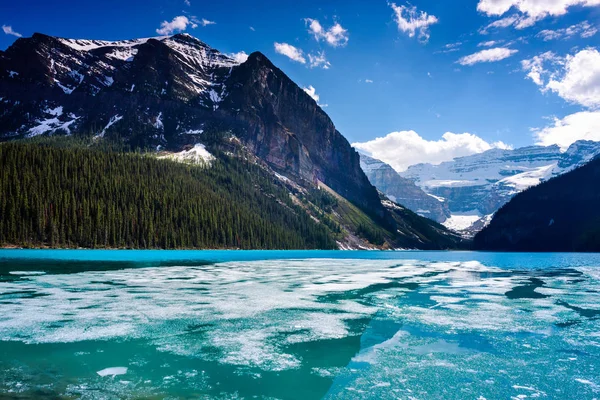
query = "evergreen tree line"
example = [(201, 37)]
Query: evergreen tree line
[(79, 197)]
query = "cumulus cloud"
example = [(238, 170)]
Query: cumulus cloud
[(575, 78), (312, 92), (368, 81), (316, 60), (583, 30), (488, 55), (291, 52), (530, 11), (335, 36), (239, 57), (584, 125), (178, 24), (413, 22), (405, 148), (9, 31)]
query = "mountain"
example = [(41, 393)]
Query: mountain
[(403, 190), (178, 98), (561, 214), (475, 187)]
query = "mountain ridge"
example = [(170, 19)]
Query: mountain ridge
[(172, 93)]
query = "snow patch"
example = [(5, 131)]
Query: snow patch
[(460, 222), (196, 155), (158, 124), (113, 120)]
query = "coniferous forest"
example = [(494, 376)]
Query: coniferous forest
[(74, 196)]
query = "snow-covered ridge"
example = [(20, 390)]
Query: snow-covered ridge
[(192, 50), (87, 45), (475, 186)]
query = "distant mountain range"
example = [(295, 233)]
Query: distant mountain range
[(178, 95), (469, 190), (562, 214)]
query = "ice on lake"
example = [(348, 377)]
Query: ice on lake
[(412, 325)]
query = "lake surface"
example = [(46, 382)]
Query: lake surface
[(298, 325)]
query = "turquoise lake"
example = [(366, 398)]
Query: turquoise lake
[(298, 325)]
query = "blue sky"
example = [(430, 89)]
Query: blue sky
[(393, 67)]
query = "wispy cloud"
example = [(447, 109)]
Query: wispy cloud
[(489, 43), (335, 36), (293, 53), (488, 55), (9, 31), (582, 29), (413, 22), (205, 22), (316, 60)]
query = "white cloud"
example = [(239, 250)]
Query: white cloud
[(312, 92), (187, 2), (205, 22), (583, 29), (291, 52), (489, 43), (535, 66), (318, 60), (368, 81), (252, 29), (336, 35), (9, 31), (178, 24), (501, 23), (405, 148), (584, 125), (411, 21), (575, 78), (488, 55), (531, 11), (239, 57)]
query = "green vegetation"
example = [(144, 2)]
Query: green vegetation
[(54, 193)]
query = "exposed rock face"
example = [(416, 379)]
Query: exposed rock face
[(403, 191), (285, 126), (166, 93)]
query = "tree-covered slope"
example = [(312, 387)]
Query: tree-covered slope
[(70, 196), (562, 214)]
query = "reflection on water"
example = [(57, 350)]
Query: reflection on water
[(299, 326)]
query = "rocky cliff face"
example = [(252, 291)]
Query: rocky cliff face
[(284, 126), (403, 191), (169, 92)]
